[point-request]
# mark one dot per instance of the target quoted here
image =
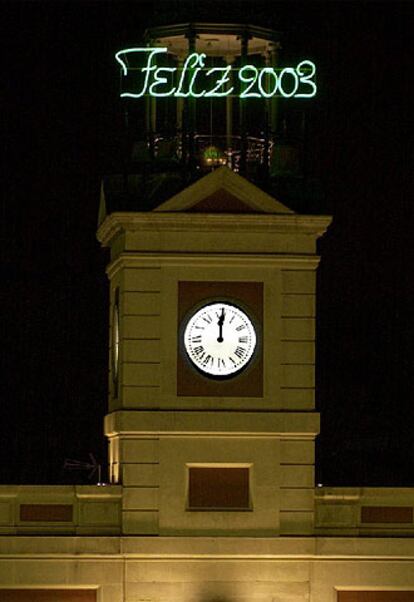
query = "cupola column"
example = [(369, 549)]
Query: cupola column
[(150, 117), (191, 104), (229, 112), (180, 103), (274, 59), (267, 130), (244, 42)]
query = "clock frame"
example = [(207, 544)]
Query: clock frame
[(248, 296), (219, 339)]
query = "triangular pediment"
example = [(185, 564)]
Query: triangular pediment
[(223, 191)]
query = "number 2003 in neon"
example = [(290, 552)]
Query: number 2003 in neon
[(218, 82)]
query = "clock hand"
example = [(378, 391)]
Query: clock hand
[(220, 325)]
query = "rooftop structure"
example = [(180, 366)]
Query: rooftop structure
[(200, 120)]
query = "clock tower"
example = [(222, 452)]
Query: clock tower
[(211, 422)]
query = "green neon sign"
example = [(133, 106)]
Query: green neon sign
[(196, 80)]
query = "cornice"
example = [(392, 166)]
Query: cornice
[(117, 223)]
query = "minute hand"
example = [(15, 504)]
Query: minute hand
[(220, 325)]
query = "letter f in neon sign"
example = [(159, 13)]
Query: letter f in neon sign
[(147, 70)]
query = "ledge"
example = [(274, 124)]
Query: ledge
[(212, 424)]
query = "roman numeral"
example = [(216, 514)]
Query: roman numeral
[(240, 352), (197, 339), (241, 339), (221, 362), (232, 360), (207, 360), (198, 350), (241, 327), (208, 319)]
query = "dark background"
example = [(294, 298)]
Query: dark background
[(61, 128)]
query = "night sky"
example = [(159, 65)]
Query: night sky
[(61, 122)]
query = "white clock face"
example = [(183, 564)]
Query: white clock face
[(220, 339)]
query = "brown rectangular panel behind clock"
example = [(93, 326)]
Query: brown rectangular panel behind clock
[(247, 295)]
